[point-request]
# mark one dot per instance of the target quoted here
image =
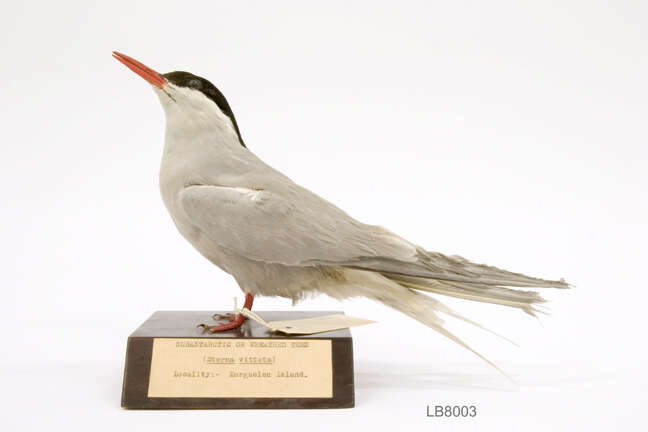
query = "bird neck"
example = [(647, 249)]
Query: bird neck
[(200, 132)]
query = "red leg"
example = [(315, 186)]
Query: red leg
[(235, 320)]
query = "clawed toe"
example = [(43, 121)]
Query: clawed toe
[(235, 323), (228, 316), (236, 320)]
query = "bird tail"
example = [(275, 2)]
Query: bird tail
[(419, 306), (528, 301), (402, 293)]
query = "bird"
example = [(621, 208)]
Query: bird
[(276, 238)]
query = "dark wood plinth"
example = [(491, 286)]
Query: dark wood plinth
[(182, 324)]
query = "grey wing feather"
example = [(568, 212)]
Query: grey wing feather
[(297, 227), (303, 230)]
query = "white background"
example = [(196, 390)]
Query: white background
[(512, 133)]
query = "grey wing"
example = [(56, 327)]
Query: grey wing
[(299, 228), (294, 228)]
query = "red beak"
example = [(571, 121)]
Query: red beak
[(145, 72)]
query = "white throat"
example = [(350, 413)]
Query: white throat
[(194, 123)]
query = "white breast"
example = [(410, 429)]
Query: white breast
[(201, 148)]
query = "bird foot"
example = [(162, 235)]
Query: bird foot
[(236, 321), (228, 316)]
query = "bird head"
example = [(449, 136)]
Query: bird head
[(187, 98)]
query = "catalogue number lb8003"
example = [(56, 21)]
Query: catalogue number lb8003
[(452, 411)]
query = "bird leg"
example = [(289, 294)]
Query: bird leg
[(235, 320)]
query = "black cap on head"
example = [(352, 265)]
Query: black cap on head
[(189, 80)]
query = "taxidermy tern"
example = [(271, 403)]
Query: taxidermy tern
[(278, 239)]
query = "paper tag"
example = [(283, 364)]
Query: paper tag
[(308, 325)]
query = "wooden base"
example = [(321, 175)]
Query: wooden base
[(172, 364)]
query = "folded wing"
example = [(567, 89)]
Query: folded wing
[(299, 228), (302, 229)]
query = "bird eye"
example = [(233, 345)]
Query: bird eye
[(194, 83)]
